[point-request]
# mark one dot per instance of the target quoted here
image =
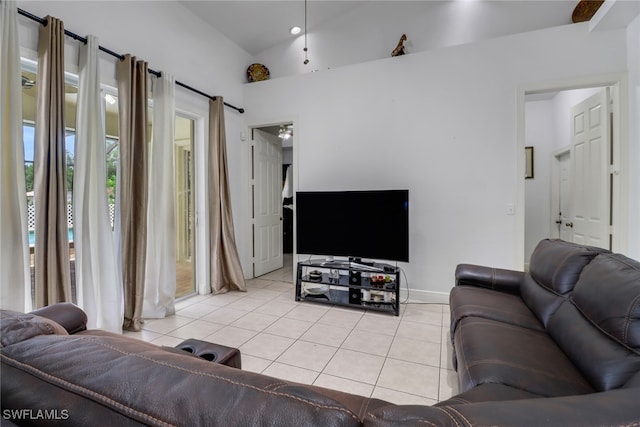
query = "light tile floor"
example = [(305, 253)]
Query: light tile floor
[(403, 359)]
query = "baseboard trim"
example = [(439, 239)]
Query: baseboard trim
[(419, 295)]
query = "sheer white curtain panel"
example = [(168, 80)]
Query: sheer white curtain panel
[(15, 272), (160, 276), (99, 290)]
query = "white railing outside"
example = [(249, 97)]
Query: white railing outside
[(31, 215)]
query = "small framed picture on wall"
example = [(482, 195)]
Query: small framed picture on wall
[(528, 168)]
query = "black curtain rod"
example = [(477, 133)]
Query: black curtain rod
[(121, 57)]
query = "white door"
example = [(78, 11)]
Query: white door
[(561, 196), (590, 160), (564, 213), (267, 202)]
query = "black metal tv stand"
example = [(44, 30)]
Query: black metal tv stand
[(349, 283)]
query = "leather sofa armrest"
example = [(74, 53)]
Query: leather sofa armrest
[(69, 316), (491, 278), (615, 407)]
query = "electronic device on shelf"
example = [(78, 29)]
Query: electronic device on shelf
[(315, 276), (367, 224), (315, 289)]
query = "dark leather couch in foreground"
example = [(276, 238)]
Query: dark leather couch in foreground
[(572, 359)]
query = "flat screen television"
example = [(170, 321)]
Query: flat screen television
[(359, 224)]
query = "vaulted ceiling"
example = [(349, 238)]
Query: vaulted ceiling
[(257, 26)]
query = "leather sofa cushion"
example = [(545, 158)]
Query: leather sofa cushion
[(16, 327), (541, 301), (134, 379), (615, 408), (489, 392), (556, 264), (608, 294), (554, 269), (468, 301), (494, 352), (599, 327), (634, 381), (68, 315), (605, 363)]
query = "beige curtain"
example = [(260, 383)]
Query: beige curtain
[(133, 185), (226, 272), (52, 275)]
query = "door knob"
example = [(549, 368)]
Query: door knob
[(569, 224)]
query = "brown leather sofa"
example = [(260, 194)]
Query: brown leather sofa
[(54, 368), (572, 359), (568, 330)]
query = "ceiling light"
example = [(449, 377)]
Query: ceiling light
[(110, 99), (295, 30), (286, 132)]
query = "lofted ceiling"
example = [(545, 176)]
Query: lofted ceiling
[(257, 26)]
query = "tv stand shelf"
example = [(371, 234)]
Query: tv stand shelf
[(371, 286)]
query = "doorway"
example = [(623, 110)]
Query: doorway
[(184, 206), (561, 195), (546, 213), (271, 196)]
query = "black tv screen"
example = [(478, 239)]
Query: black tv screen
[(359, 224)]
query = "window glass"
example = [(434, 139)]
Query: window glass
[(112, 131), (29, 91), (184, 206)]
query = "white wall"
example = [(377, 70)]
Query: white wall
[(173, 40), (441, 123), (633, 59), (287, 156), (538, 134)]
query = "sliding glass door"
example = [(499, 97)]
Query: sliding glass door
[(184, 202)]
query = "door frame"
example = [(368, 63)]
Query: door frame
[(294, 171), (196, 112), (620, 142), (194, 247)]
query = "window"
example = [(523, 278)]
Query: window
[(29, 94), (112, 131), (28, 137), (184, 172)]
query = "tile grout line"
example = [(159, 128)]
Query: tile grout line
[(279, 294)]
